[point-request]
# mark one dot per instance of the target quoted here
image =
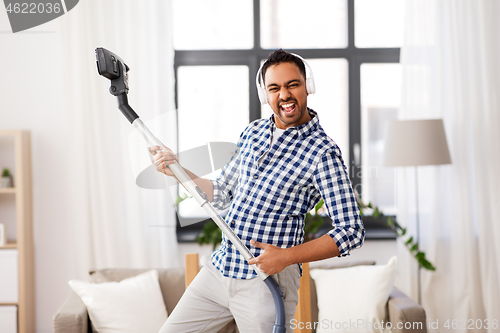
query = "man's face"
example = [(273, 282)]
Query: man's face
[(287, 95)]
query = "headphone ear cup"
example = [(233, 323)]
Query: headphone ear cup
[(262, 95), (310, 86), (260, 89)]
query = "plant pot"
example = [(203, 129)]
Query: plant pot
[(6, 182)]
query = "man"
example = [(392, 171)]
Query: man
[(283, 166)]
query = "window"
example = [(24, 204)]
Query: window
[(205, 95), (213, 24), (279, 26), (219, 46), (380, 102)]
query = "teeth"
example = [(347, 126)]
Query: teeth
[(287, 105)]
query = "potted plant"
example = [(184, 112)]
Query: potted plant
[(369, 210), (6, 180), (210, 234)]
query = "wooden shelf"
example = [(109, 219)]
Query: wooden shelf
[(17, 143), (8, 190), (9, 246)]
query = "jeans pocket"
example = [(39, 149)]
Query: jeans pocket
[(281, 281)]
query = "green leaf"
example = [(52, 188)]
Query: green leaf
[(6, 173), (414, 247), (210, 234), (427, 265), (400, 232), (318, 206), (420, 256), (181, 199)]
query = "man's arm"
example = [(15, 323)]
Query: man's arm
[(221, 189), (203, 183), (332, 181)]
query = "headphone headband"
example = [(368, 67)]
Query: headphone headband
[(261, 90)]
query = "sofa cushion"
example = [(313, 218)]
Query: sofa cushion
[(132, 305), (353, 299), (171, 281), (331, 263)]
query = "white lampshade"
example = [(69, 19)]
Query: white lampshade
[(416, 142)]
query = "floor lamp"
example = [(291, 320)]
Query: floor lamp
[(414, 143)]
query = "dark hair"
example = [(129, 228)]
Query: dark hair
[(280, 56)]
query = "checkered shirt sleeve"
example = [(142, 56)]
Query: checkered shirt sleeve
[(225, 184), (332, 181)]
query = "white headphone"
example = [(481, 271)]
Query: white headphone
[(261, 89)]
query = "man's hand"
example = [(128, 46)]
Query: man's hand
[(162, 159), (272, 260)]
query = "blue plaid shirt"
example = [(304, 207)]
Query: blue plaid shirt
[(268, 203)]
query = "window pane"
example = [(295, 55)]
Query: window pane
[(380, 103), (211, 25), (379, 23), (213, 105), (330, 100), (297, 24)]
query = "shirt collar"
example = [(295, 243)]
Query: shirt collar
[(305, 129)]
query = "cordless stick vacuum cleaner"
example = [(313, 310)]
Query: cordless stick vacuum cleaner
[(114, 68)]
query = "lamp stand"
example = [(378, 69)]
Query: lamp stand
[(418, 235)]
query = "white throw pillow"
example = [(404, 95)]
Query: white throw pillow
[(353, 299), (133, 305)]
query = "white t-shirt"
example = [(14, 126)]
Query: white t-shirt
[(277, 133)]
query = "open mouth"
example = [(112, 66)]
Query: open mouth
[(287, 108)]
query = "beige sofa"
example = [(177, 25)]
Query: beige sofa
[(72, 316)]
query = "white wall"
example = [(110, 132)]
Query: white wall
[(30, 91)]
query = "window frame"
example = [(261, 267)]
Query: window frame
[(252, 57)]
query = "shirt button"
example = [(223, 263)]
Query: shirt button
[(232, 223), (229, 246), (244, 200), (255, 176)]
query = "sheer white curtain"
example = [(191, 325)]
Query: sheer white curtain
[(116, 223), (451, 70)]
